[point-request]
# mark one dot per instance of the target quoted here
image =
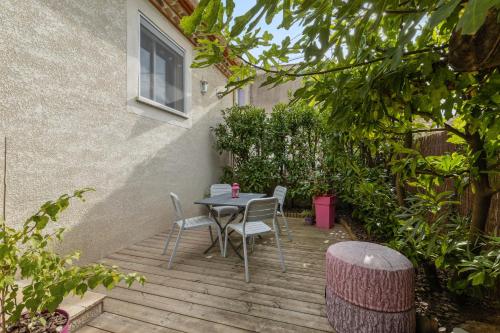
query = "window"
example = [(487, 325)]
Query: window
[(162, 68), (241, 97)]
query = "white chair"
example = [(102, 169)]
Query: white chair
[(280, 194), (221, 211), (186, 224), (256, 211)]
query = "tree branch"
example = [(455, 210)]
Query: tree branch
[(421, 131), (455, 131), (340, 68), (447, 127)]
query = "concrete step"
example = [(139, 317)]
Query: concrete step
[(82, 310)]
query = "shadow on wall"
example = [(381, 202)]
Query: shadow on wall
[(140, 207), (72, 129)]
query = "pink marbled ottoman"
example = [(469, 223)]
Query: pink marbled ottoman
[(369, 288)]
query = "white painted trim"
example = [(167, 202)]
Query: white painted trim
[(161, 106)]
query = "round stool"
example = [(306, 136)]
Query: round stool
[(369, 288)]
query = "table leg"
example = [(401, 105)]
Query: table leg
[(223, 228)]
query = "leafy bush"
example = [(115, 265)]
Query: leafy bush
[(432, 233), (371, 195), (27, 254), (284, 147), (475, 274)]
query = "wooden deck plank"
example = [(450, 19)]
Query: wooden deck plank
[(159, 317), (109, 322), (256, 275), (267, 246), (208, 293), (306, 266), (260, 252), (218, 262), (236, 294), (214, 280), (230, 319), (238, 306)]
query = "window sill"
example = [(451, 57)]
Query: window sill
[(162, 107)]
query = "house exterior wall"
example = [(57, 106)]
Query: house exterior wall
[(267, 97), (68, 108)]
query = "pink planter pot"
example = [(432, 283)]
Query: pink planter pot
[(325, 211), (66, 327)]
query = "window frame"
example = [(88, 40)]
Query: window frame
[(175, 47)]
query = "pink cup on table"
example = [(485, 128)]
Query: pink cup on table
[(235, 190)]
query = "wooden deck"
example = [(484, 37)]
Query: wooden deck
[(208, 293)]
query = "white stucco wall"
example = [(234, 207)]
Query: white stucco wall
[(67, 107), (267, 97)]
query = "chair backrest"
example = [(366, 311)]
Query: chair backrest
[(260, 209), (280, 194), (177, 206), (218, 189)]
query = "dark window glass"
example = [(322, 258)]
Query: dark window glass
[(162, 69)]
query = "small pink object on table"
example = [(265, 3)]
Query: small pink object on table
[(369, 287), (324, 207), (235, 190)]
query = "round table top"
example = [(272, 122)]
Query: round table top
[(369, 255)]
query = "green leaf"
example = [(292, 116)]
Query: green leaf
[(442, 13), (475, 13), (241, 21), (42, 222), (190, 23), (477, 278), (213, 14), (439, 261)]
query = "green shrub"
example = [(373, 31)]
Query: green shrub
[(27, 254), (432, 233), (371, 196), (284, 147)]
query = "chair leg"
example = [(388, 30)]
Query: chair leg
[(225, 243), (282, 260), (277, 226), (286, 225), (220, 241), (245, 257), (175, 249), (168, 238), (253, 243)]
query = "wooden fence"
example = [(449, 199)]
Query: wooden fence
[(436, 144)]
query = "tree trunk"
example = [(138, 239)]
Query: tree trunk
[(483, 192), (400, 186), (480, 212), (400, 190), (477, 52)]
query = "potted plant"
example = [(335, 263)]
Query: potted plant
[(324, 203), (34, 279), (308, 216)]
